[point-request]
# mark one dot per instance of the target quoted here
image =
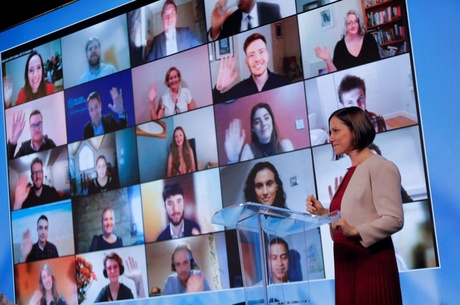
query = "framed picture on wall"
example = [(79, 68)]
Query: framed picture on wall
[(224, 47), (326, 18)]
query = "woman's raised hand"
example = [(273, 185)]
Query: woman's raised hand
[(234, 140)]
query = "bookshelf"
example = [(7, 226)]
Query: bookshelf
[(385, 21)]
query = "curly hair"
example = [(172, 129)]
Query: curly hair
[(249, 186)]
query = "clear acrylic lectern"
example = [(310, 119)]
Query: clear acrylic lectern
[(257, 225)]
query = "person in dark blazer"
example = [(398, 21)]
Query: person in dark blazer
[(173, 39), (226, 22), (37, 142), (179, 226), (101, 124)]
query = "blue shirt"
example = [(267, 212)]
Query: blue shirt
[(104, 70), (174, 286)]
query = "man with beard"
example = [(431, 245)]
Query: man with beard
[(37, 142), (261, 79), (42, 249), (173, 39), (96, 68), (173, 196), (27, 195), (186, 278), (250, 14)]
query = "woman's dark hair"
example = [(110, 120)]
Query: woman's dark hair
[(359, 124), (185, 152), (41, 88), (348, 83), (274, 136), (249, 186)]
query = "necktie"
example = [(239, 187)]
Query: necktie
[(249, 22)]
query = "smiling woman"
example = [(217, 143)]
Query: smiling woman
[(265, 139), (48, 289), (357, 47), (107, 240), (263, 185), (176, 99)]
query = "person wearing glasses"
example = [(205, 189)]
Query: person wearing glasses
[(175, 100), (357, 47), (37, 142), (27, 194)]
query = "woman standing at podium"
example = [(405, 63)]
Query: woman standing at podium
[(369, 199)]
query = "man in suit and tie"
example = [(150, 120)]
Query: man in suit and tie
[(99, 123), (250, 14), (173, 39)]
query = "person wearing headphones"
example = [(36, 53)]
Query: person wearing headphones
[(113, 269), (185, 277)]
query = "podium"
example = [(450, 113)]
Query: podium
[(267, 272)]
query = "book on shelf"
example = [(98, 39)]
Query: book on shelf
[(383, 16), (402, 48), (388, 35), (392, 50), (374, 2)]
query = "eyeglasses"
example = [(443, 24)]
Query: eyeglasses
[(350, 23), (36, 126), (36, 173)]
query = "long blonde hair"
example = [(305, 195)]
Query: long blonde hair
[(54, 291)]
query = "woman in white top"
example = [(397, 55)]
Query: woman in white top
[(175, 100)]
